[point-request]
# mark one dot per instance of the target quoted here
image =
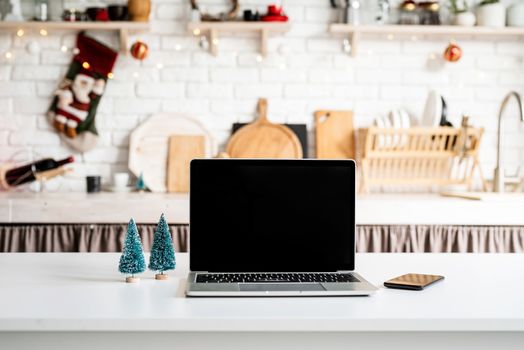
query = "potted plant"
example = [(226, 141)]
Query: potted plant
[(461, 15), (491, 13), (516, 15)]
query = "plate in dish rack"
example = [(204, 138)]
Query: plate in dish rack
[(148, 146)]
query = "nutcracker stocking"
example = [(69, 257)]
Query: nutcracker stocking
[(73, 110)]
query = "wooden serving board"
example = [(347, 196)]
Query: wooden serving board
[(335, 137), (149, 143), (263, 139), (182, 149), (299, 129)]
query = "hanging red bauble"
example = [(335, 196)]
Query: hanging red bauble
[(139, 50), (453, 52)]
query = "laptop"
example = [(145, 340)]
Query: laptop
[(268, 227)]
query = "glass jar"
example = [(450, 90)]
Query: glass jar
[(408, 13), (41, 10), (429, 12)]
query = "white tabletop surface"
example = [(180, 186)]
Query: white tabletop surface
[(373, 209), (84, 292)]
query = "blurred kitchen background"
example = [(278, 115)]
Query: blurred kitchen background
[(384, 64)]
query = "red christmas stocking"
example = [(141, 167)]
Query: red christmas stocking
[(73, 110)]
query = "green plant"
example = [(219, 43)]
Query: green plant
[(457, 6), (488, 2), (162, 253), (132, 260)]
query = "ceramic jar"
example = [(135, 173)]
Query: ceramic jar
[(491, 15), (465, 19), (139, 10), (516, 15)]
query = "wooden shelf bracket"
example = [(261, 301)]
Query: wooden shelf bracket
[(212, 31), (123, 28), (263, 42)]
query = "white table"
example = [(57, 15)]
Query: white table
[(78, 301)]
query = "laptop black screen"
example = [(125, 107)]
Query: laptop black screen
[(272, 215)]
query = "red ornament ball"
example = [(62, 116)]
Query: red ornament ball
[(139, 50), (453, 53)]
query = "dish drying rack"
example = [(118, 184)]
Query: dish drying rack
[(419, 156)]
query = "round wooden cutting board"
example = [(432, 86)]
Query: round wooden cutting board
[(263, 139)]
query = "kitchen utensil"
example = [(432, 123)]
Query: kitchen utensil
[(275, 14), (335, 137), (97, 13), (432, 111), (120, 180), (405, 123), (251, 15), (426, 159), (182, 149), (139, 10), (444, 115), (148, 146), (73, 15), (299, 129), (388, 139), (491, 15), (263, 139), (381, 139), (463, 195), (117, 12), (353, 12), (404, 119), (429, 12), (515, 15), (396, 123), (93, 184), (408, 13), (42, 10), (341, 6)]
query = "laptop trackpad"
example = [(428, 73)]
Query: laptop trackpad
[(280, 287)]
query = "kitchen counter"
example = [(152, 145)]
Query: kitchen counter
[(375, 209), (58, 300)]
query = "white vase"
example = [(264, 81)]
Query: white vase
[(516, 15), (492, 15), (464, 19)]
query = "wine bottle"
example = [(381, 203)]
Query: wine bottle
[(26, 173)]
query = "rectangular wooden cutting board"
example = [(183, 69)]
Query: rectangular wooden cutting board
[(335, 137), (182, 149)]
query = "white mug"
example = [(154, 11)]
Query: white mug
[(120, 180)]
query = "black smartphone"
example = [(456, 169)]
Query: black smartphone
[(412, 281)]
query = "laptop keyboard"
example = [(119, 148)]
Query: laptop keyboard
[(274, 277)]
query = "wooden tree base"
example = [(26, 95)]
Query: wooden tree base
[(132, 279), (162, 277)]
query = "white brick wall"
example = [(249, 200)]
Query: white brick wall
[(305, 70)]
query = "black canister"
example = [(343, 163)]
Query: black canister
[(94, 184)]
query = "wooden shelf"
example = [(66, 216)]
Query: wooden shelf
[(355, 32), (212, 30), (122, 27)]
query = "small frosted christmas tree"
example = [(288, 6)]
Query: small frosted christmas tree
[(132, 260), (140, 183), (162, 253)]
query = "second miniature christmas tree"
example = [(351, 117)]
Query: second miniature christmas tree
[(162, 252), (132, 260), (140, 185)]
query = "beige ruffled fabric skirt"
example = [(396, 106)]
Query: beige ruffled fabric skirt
[(404, 238)]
